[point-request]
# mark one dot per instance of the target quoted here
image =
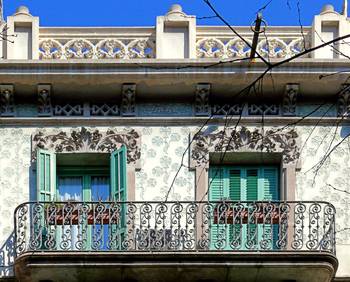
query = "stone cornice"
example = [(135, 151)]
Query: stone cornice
[(167, 121)]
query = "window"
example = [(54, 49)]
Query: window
[(246, 185), (75, 179), (81, 178)]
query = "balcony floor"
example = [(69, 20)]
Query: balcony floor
[(176, 266)]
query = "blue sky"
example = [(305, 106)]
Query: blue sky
[(144, 12)]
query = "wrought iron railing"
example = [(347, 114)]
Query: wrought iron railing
[(174, 226)]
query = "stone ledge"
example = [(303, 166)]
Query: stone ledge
[(184, 266)]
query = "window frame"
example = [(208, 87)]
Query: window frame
[(48, 170)]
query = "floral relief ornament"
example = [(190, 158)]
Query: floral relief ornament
[(244, 139), (85, 140)]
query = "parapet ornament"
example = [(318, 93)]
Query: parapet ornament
[(244, 140), (85, 141), (274, 47)]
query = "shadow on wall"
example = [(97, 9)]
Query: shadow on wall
[(32, 183), (345, 131), (7, 257)]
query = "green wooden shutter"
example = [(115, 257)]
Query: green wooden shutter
[(217, 189), (270, 193), (221, 180), (46, 175), (217, 192), (119, 194), (235, 185), (252, 185), (270, 188), (252, 192), (235, 195), (118, 174)]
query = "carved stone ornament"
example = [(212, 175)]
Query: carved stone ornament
[(244, 140), (263, 109), (7, 106), (44, 101), (202, 106), (128, 107), (343, 104), (289, 105), (85, 141)]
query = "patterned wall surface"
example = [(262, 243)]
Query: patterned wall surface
[(161, 152)]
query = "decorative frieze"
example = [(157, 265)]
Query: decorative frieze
[(274, 47), (289, 104), (83, 48), (44, 100), (104, 110), (263, 109), (244, 140), (343, 103), (69, 110), (227, 109), (128, 107), (86, 140), (7, 107), (202, 106)]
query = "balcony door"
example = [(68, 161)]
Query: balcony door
[(79, 184), (86, 186), (242, 224)]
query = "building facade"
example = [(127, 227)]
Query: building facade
[(130, 153)]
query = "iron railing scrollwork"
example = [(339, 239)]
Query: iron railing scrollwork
[(174, 226)]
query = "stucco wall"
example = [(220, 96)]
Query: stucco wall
[(161, 151)]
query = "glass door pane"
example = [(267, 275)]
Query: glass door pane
[(69, 234), (70, 189), (100, 188)]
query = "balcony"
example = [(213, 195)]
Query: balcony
[(191, 241)]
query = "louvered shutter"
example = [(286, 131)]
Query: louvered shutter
[(252, 183), (118, 175), (46, 175), (235, 191), (218, 191), (119, 194), (270, 193)]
